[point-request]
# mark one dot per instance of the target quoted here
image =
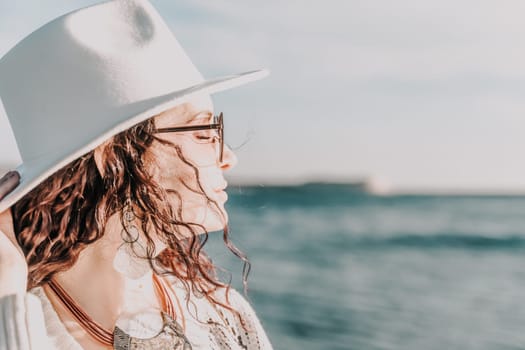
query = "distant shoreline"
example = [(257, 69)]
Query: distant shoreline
[(363, 186)]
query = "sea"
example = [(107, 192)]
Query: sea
[(333, 267)]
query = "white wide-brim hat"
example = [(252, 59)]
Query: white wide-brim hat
[(90, 74)]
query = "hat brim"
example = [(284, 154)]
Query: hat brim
[(33, 172)]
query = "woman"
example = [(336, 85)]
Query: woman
[(105, 224)]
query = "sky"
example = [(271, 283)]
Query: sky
[(416, 95)]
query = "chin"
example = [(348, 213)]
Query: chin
[(208, 218), (214, 222)]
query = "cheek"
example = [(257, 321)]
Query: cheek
[(170, 172), (167, 169)]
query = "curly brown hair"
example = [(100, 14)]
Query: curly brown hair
[(70, 209)]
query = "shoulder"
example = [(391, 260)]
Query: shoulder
[(239, 302), (251, 332), (226, 296), (247, 330)]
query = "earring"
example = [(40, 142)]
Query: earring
[(130, 259)]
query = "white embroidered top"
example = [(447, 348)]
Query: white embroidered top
[(29, 322)]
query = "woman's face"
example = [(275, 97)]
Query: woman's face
[(200, 165)]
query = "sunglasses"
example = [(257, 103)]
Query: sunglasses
[(217, 124)]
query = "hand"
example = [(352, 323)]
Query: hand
[(13, 265)]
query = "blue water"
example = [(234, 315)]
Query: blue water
[(339, 269)]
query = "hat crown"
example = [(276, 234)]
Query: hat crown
[(134, 28), (79, 74)]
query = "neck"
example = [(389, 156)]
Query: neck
[(101, 291)]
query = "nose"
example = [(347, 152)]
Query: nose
[(229, 159)]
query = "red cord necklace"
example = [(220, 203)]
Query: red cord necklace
[(171, 334)]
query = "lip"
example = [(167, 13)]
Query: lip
[(222, 188), (222, 195), (220, 192)]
